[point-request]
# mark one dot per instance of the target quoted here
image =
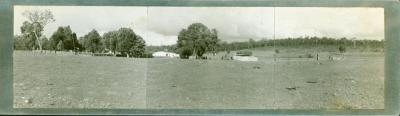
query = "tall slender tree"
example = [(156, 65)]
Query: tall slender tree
[(37, 20)]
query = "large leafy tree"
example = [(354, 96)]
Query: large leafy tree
[(110, 40), (33, 28), (68, 38), (31, 38), (197, 38), (129, 43), (57, 37), (92, 41)]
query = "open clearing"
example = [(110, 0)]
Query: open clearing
[(69, 81)]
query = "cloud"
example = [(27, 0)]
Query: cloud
[(154, 38), (333, 22), (230, 21)]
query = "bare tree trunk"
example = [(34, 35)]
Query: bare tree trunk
[(39, 42), (194, 52)]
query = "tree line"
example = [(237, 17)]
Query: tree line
[(302, 42), (124, 41), (298, 42), (195, 40)]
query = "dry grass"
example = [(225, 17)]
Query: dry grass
[(110, 82)]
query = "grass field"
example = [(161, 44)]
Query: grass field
[(69, 81), (78, 81)]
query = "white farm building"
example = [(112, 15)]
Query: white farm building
[(162, 54)]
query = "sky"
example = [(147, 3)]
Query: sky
[(161, 25)]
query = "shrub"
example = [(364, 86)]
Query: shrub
[(244, 53), (147, 55), (120, 55), (277, 51), (185, 53), (376, 50), (309, 56), (342, 49)]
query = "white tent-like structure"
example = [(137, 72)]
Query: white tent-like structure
[(245, 58), (241, 57), (162, 54)]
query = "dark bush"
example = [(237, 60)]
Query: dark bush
[(185, 53), (102, 54), (342, 49), (376, 50), (147, 55), (244, 53), (120, 55), (309, 56), (277, 51)]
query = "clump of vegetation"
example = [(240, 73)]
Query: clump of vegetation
[(185, 53), (60, 46), (147, 55), (342, 49), (277, 51), (244, 53), (377, 50), (256, 67), (309, 55)]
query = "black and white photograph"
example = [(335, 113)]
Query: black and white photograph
[(165, 57)]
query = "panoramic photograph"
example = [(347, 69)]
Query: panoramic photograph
[(134, 57)]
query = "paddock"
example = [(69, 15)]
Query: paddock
[(76, 81)]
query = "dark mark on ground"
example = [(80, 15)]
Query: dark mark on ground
[(256, 67), (311, 81), (292, 88)]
